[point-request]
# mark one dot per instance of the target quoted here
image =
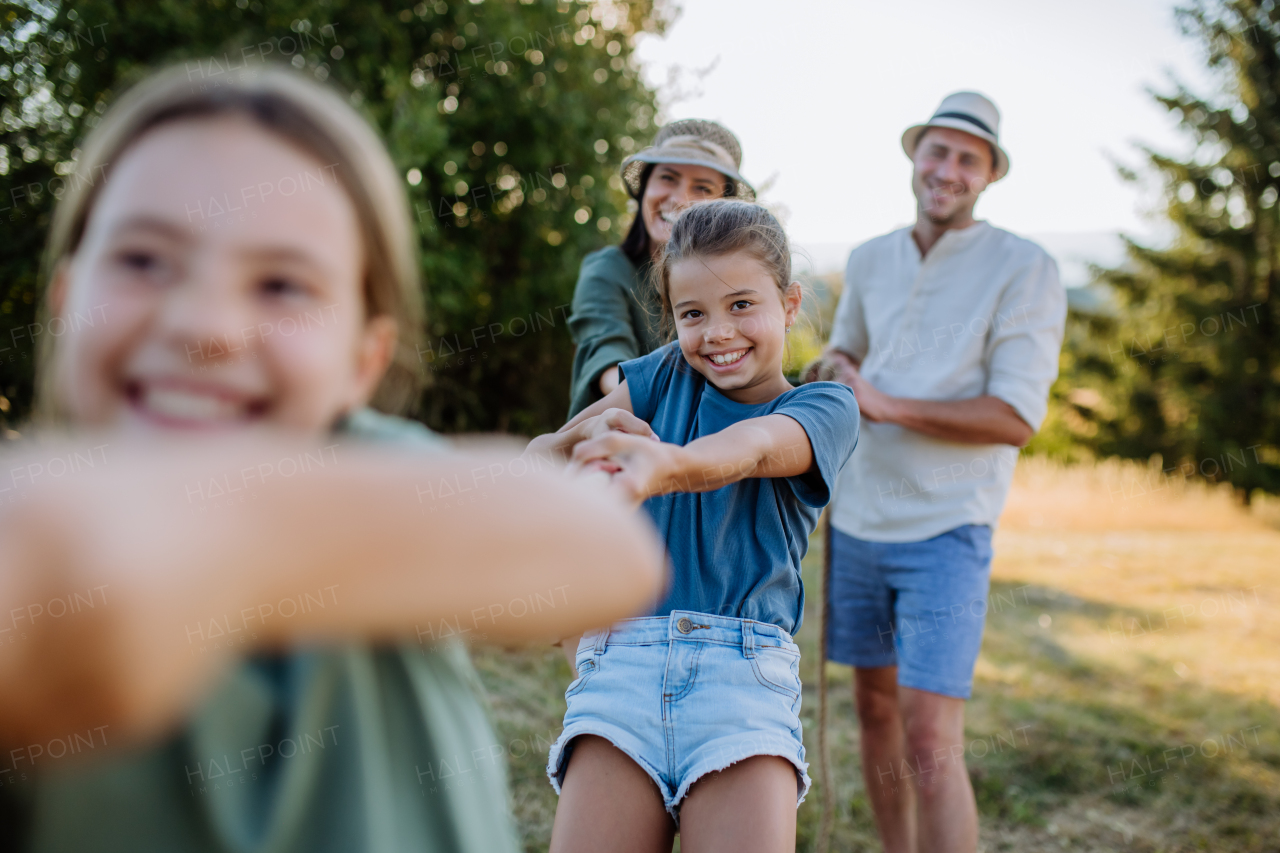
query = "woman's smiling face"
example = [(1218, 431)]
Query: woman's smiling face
[(731, 319), (226, 268), (670, 189)]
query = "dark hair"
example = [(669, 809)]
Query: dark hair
[(721, 227), (636, 244)]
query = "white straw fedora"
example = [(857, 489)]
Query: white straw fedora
[(968, 111), (691, 142)]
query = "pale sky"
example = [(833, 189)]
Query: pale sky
[(819, 92)]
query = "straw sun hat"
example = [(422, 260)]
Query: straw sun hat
[(968, 111), (691, 142)]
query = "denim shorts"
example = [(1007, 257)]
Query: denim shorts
[(685, 695), (919, 606)]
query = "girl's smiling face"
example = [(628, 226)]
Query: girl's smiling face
[(222, 268), (731, 319)]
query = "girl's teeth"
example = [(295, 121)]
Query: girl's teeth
[(728, 358), (192, 407)]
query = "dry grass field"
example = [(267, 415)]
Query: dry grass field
[(1128, 693)]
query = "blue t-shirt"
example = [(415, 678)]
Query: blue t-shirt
[(736, 551)]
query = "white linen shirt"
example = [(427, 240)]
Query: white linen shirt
[(982, 313)]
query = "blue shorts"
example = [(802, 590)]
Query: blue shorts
[(685, 695), (919, 606)]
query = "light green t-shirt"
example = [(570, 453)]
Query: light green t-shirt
[(342, 749)]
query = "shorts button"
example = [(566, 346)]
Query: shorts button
[(684, 626)]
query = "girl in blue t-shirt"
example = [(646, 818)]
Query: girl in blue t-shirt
[(689, 718)]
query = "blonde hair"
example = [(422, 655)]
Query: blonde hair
[(312, 117), (712, 229)]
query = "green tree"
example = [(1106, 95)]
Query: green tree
[(1189, 365), (507, 118)]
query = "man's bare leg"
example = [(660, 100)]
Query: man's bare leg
[(892, 796), (946, 811)]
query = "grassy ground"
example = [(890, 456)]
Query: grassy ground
[(1127, 696)]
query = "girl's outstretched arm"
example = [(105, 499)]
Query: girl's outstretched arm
[(612, 413), (771, 446), (618, 398), (160, 551)]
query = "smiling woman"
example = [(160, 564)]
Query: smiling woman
[(615, 312)]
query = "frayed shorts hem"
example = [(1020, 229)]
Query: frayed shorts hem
[(558, 758)]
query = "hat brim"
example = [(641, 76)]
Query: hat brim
[(911, 138), (633, 167)]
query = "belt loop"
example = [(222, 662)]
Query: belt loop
[(602, 640), (748, 638)]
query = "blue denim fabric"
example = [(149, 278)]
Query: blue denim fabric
[(919, 606), (685, 703)]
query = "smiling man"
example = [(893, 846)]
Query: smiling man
[(948, 331)]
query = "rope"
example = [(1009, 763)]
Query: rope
[(824, 759)]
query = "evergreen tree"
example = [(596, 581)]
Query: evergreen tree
[(508, 119), (1190, 366)]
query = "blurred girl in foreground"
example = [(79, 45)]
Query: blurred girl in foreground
[(251, 258)]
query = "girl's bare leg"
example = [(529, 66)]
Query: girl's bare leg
[(749, 807), (607, 803)]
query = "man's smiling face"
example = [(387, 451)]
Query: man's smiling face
[(951, 169)]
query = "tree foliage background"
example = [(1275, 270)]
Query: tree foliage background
[(1188, 366), (514, 114)]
